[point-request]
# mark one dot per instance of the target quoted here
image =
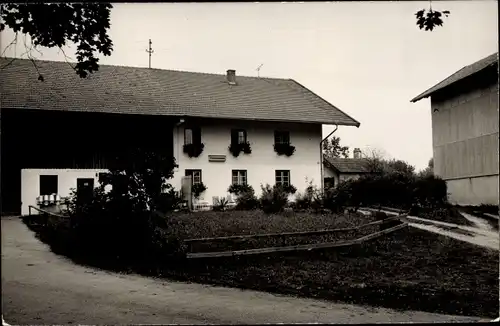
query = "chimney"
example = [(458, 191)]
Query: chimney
[(231, 77), (356, 153)]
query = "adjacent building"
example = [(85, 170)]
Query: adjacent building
[(464, 110), (338, 169)]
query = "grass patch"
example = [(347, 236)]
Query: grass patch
[(409, 269), (229, 223), (447, 214)]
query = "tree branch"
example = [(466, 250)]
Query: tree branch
[(66, 58)]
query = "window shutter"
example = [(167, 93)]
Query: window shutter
[(197, 135), (234, 136)]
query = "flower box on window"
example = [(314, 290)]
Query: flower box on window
[(193, 150), (284, 149), (237, 148)]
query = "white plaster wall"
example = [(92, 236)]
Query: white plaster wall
[(30, 183), (260, 164), (330, 173)]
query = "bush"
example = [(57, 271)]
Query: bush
[(221, 204), (305, 200), (197, 189), (120, 225), (246, 199), (169, 201), (430, 191), (237, 189), (275, 199), (396, 189)]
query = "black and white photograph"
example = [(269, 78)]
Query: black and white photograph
[(249, 162)]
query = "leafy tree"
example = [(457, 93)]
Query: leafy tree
[(400, 166), (57, 24), (140, 176), (429, 170), (430, 19), (120, 221), (332, 148), (375, 160)]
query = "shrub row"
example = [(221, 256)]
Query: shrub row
[(396, 189)]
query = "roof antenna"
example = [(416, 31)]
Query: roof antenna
[(258, 70), (150, 51)]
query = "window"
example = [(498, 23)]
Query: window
[(283, 177), (101, 176), (281, 137), (48, 184), (195, 176), (238, 136), (329, 182), (239, 177), (192, 136)]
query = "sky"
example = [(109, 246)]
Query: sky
[(366, 58)]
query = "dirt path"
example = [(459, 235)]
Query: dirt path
[(42, 288), (484, 234), (480, 223)]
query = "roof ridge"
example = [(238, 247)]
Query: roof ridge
[(147, 68)]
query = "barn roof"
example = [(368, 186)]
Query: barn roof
[(461, 74)]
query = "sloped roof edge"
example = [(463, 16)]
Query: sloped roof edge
[(465, 72)]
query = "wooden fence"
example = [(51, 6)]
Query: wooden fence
[(317, 232), (307, 247)]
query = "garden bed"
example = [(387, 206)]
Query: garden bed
[(230, 223), (254, 243)]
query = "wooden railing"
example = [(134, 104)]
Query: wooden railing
[(307, 247), (43, 212), (317, 232)]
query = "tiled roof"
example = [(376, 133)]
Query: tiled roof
[(461, 74), (348, 165), (131, 90)]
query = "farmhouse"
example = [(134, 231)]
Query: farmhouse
[(338, 169), (464, 110), (59, 133)]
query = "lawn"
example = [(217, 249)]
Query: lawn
[(230, 223), (409, 269)]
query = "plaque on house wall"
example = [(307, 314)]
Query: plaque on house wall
[(217, 158)]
